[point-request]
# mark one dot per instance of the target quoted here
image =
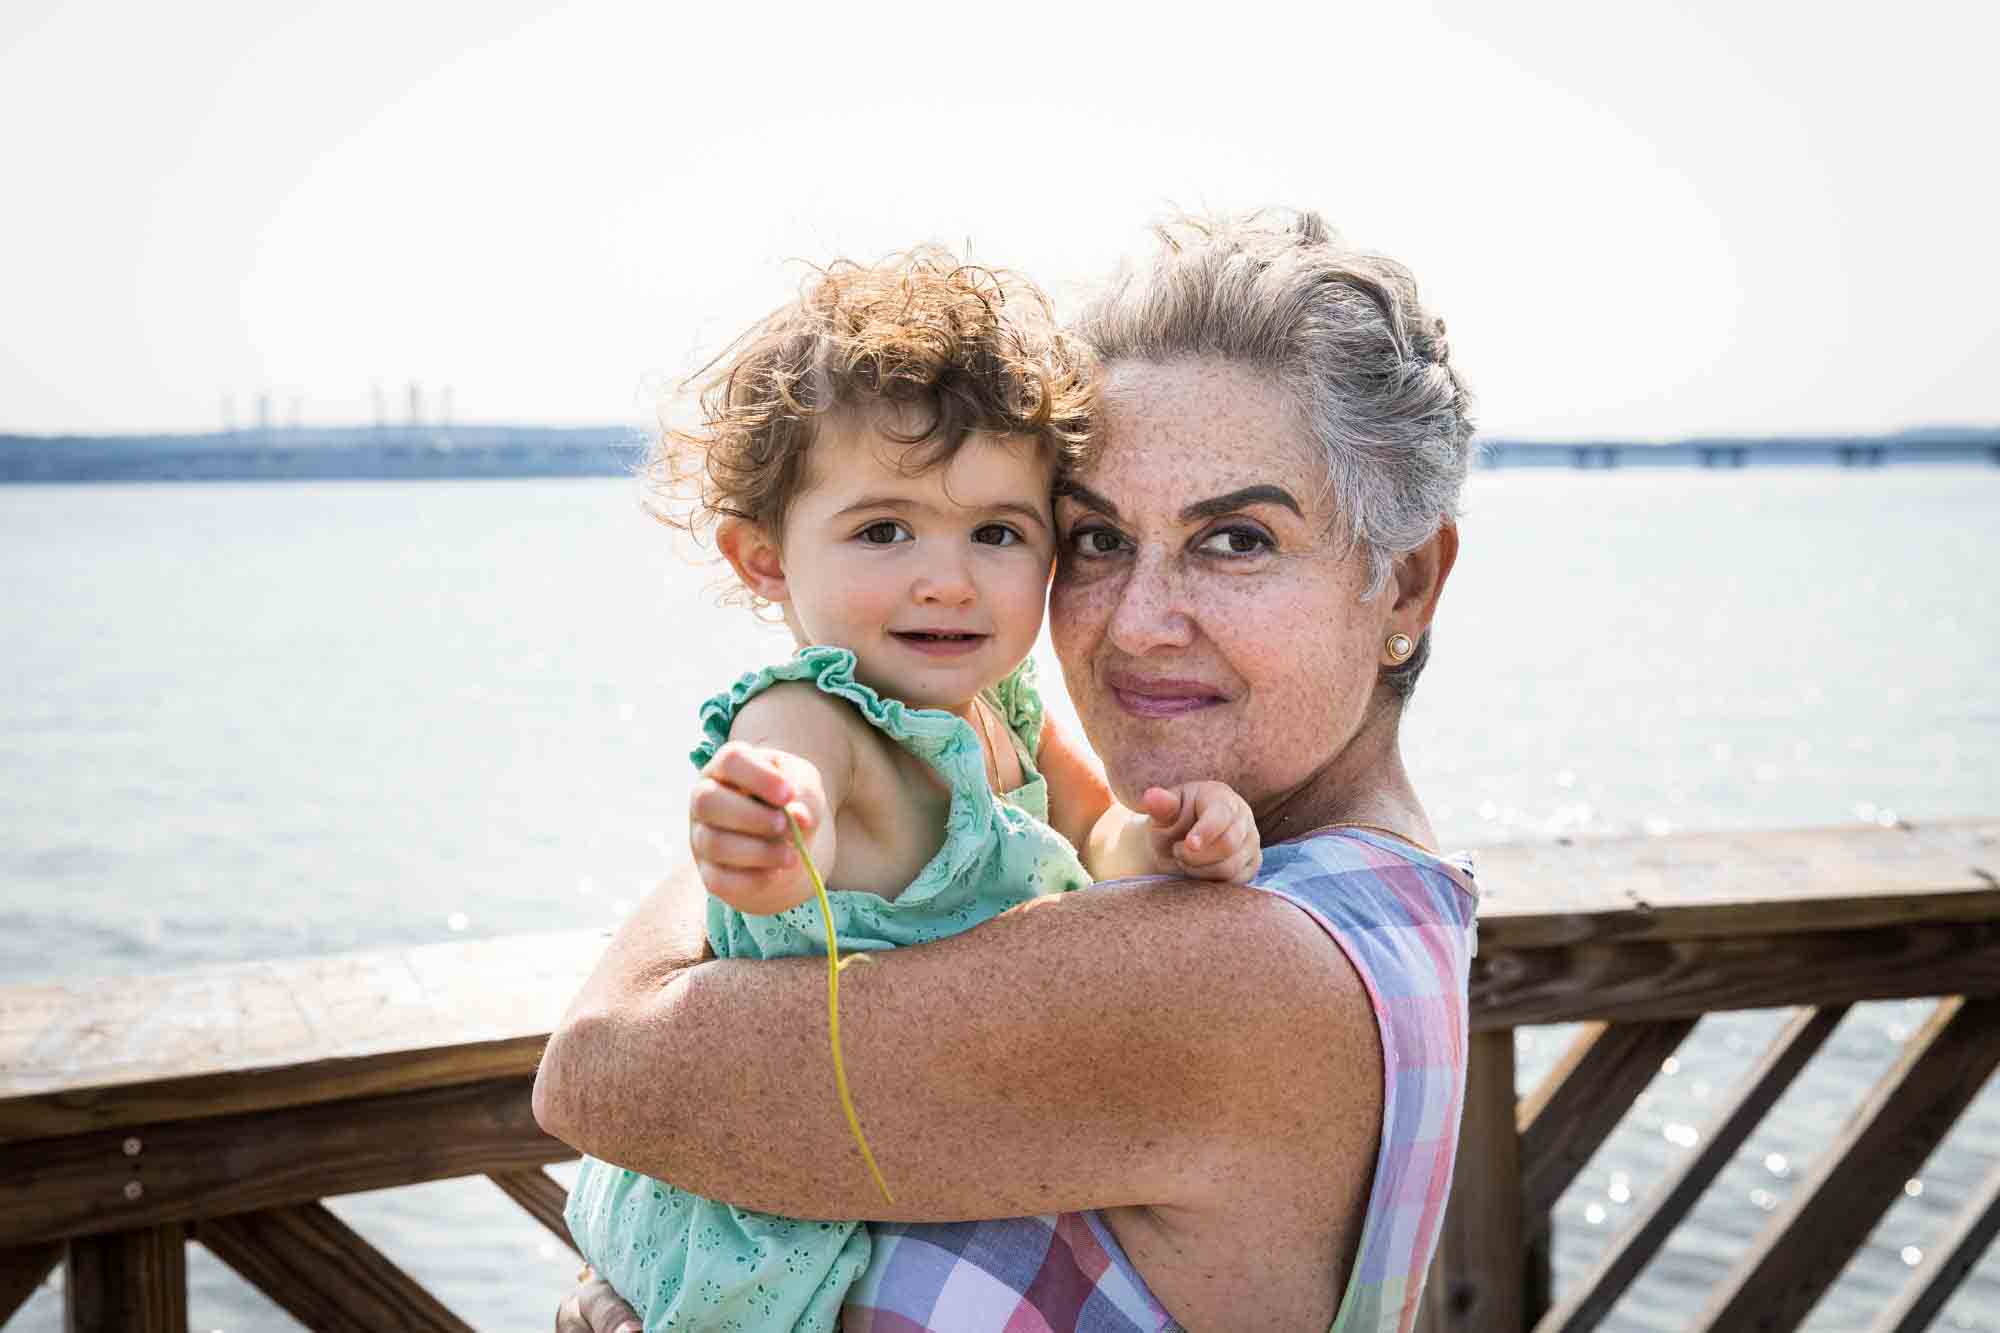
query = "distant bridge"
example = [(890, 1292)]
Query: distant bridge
[(1818, 451)]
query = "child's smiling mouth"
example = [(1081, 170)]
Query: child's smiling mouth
[(941, 642)]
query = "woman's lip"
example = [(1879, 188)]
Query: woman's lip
[(1163, 697)]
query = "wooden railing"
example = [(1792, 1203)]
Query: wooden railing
[(221, 1106), (1637, 940)]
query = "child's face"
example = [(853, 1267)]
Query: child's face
[(936, 582)]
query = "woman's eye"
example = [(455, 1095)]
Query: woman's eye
[(1235, 542), (1095, 541), (884, 533), (995, 534)]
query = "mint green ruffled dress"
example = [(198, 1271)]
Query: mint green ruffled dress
[(684, 1262)]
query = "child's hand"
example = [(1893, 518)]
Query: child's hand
[(1203, 830), (737, 831)]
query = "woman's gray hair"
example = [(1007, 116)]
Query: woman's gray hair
[(1343, 333)]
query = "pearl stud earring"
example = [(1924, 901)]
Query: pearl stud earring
[(1400, 647)]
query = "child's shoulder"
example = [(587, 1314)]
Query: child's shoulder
[(792, 712)]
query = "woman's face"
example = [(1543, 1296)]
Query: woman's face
[(1206, 610)]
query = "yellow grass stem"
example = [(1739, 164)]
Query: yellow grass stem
[(833, 966)]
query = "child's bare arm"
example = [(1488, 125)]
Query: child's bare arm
[(788, 749), (1202, 830), (1078, 793)]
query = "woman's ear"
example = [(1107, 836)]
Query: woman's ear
[(754, 556), (1420, 577)]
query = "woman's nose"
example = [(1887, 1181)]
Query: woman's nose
[(1150, 611)]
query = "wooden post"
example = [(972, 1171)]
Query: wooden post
[(127, 1282), (1479, 1281)]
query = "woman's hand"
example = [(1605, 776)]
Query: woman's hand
[(738, 832), (593, 1307), (1203, 830)]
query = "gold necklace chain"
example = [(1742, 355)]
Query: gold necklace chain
[(1372, 828), (986, 743)]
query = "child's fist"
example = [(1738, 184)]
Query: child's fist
[(1204, 830), (737, 830)]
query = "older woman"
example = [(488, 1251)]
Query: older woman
[(1191, 1105)]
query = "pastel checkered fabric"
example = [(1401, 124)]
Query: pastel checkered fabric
[(1406, 921)]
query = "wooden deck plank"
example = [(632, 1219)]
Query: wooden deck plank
[(82, 1055), (323, 1273), (1639, 980), (1766, 881), (1566, 1120), (127, 1282), (1807, 1244), (541, 1195), (1591, 1299), (213, 1167), (1955, 1255), (22, 1272)]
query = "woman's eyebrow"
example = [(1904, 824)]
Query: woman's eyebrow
[(1234, 500), (1088, 498), (1200, 509)]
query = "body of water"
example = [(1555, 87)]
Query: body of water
[(255, 720)]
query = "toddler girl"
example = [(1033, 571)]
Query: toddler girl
[(877, 459)]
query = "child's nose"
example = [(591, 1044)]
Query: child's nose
[(945, 583)]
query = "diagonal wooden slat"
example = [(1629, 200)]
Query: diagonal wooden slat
[(323, 1273), (22, 1271), (1566, 1120), (127, 1282), (1941, 1069), (1592, 1298), (542, 1195), (1954, 1256)]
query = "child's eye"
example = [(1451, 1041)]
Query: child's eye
[(995, 534), (885, 533), (1230, 542)]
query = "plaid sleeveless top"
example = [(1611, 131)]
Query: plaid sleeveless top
[(1406, 921)]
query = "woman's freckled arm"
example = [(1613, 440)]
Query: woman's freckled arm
[(1094, 1049)]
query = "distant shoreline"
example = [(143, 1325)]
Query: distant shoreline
[(358, 453), (393, 453)]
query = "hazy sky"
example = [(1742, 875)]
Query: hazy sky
[(1639, 220)]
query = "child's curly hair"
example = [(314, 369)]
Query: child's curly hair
[(968, 348)]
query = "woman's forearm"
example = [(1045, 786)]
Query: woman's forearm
[(1090, 1049)]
